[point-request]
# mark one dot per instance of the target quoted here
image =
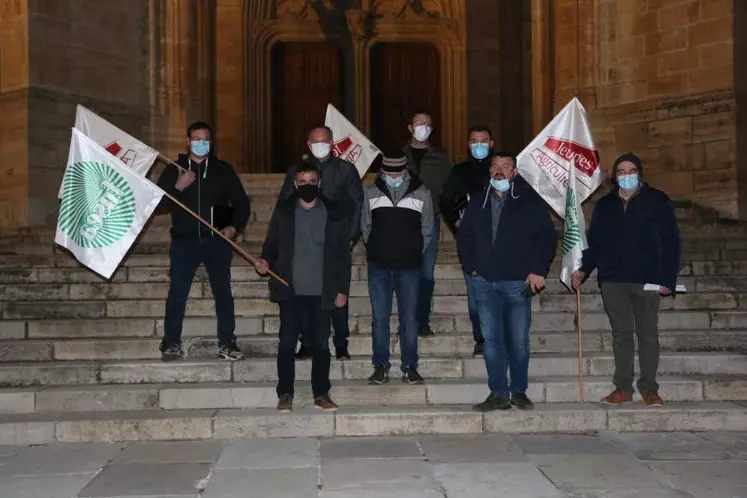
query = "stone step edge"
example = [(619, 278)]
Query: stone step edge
[(91, 427)]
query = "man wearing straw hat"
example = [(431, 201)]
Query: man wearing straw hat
[(210, 188)]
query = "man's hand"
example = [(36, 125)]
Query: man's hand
[(577, 279), (341, 300), (262, 266), (664, 291), (186, 178), (536, 283), (229, 232)]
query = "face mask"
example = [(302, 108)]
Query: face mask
[(200, 147), (421, 133), (308, 192), (500, 185), (479, 150), (628, 182), (394, 182), (321, 150)]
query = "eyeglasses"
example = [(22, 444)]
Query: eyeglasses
[(422, 123)]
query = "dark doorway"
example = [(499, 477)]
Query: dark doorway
[(305, 78), (405, 78)]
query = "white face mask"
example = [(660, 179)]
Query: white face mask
[(321, 150), (422, 132)]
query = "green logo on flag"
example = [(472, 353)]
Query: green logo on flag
[(571, 232), (98, 206)]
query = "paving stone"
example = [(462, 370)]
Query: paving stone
[(705, 416), (563, 444), (706, 479), (79, 329), (281, 483), (270, 454), (265, 423), (107, 349), (208, 396), (149, 479), (350, 448), (381, 494), (12, 329), (668, 446), (400, 474), (733, 442), (183, 372), (17, 400), (49, 486), (61, 459), (374, 421), (207, 327), (264, 370), (25, 350), (96, 398), (481, 448), (170, 452), (681, 364), (15, 431), (725, 389), (488, 480), (555, 417)]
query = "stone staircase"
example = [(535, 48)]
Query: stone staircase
[(79, 356)]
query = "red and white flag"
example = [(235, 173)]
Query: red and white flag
[(564, 143), (349, 143)]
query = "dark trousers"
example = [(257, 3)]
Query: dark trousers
[(474, 316), (632, 310), (340, 326), (186, 256), (292, 313), (427, 278)]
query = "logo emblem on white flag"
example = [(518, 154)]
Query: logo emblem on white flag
[(349, 143)]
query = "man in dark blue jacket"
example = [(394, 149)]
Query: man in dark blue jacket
[(633, 241), (506, 242)]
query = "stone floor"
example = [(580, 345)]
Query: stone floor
[(610, 465)]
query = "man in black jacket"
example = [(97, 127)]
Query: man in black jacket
[(468, 180), (341, 183), (210, 188), (633, 241), (308, 245)]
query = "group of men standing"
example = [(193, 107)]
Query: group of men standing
[(505, 238)]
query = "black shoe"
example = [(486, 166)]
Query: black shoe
[(426, 332), (304, 352), (173, 352), (493, 402), (411, 376), (521, 402), (230, 352), (479, 351), (342, 353), (380, 376)]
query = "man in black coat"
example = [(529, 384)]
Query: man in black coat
[(308, 245)]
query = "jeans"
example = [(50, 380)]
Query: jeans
[(633, 310), (404, 283), (340, 326), (427, 278), (505, 318), (292, 312), (474, 317), (186, 256)]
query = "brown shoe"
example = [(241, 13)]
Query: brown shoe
[(617, 397), (285, 403), (652, 399), (325, 403)]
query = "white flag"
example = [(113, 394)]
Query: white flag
[(349, 143), (546, 162), (104, 206), (574, 232)]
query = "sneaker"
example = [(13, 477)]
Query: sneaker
[(617, 397), (304, 352), (652, 399), (493, 402), (285, 403), (380, 376), (325, 403), (426, 332), (230, 352), (521, 402), (172, 353), (342, 353), (411, 376), (479, 351)]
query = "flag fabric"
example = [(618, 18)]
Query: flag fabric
[(574, 232), (104, 206), (547, 161), (349, 143)]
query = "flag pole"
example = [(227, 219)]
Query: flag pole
[(233, 244), (169, 161), (580, 347)]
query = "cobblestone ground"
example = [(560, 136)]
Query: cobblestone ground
[(611, 465)]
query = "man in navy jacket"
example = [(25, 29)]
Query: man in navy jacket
[(633, 241), (506, 242)]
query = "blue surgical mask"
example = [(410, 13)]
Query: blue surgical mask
[(628, 182), (200, 147), (500, 185), (479, 150), (394, 182)]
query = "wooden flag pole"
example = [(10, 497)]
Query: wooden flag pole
[(169, 161), (580, 347)]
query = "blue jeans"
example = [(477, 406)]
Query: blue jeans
[(427, 278), (505, 317), (404, 283), (474, 317)]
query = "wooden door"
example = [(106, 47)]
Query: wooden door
[(305, 78), (405, 78)]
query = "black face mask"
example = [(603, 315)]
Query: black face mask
[(308, 192)]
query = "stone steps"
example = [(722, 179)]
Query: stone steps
[(347, 393), (89, 427)]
